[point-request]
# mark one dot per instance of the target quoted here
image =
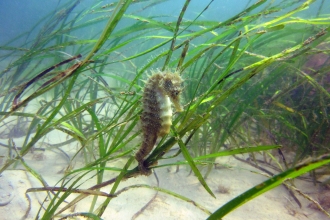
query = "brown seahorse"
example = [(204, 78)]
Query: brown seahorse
[(156, 118)]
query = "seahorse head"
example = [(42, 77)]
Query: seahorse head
[(172, 86)]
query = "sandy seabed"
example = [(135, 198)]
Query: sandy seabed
[(227, 182)]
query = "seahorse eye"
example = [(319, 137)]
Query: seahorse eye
[(176, 92)]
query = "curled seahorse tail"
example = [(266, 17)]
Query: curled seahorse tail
[(147, 146)]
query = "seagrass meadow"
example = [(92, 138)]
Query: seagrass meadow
[(251, 114)]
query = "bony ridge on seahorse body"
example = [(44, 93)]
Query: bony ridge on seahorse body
[(160, 90)]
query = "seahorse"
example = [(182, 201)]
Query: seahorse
[(160, 90)]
